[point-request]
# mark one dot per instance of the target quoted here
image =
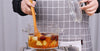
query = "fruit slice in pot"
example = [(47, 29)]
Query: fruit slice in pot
[(38, 43)]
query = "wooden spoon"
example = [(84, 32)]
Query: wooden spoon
[(36, 32)]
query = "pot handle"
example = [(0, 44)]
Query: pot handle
[(66, 49)]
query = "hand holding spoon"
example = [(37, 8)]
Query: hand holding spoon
[(36, 32)]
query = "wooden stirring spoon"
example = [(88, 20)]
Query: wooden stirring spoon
[(36, 32)]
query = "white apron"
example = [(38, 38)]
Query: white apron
[(57, 11)]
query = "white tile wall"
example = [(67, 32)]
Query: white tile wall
[(8, 26), (94, 30), (1, 28)]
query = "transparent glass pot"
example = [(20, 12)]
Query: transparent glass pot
[(49, 38)]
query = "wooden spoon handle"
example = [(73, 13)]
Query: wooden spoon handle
[(34, 19)]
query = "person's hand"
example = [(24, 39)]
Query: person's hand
[(91, 6), (25, 6)]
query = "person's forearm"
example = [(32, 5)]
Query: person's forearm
[(17, 7)]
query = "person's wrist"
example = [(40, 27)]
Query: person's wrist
[(98, 9), (20, 7)]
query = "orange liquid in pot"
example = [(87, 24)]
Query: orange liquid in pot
[(47, 40)]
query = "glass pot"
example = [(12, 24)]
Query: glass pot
[(49, 38)]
